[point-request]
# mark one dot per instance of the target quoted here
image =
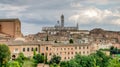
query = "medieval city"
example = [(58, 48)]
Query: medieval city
[(59, 40)]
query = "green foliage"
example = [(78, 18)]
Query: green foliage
[(55, 59), (29, 63), (72, 63), (54, 65), (21, 55), (34, 52), (71, 41), (101, 59), (46, 60), (13, 64), (115, 62), (21, 59), (39, 58), (64, 64), (84, 61), (4, 54), (114, 50)]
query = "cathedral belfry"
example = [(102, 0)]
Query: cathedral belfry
[(60, 27), (62, 20)]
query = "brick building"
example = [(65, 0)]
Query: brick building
[(10, 28), (66, 51)]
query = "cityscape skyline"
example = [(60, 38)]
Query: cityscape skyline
[(89, 14)]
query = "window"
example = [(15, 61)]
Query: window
[(64, 57), (79, 47), (43, 54), (83, 52), (16, 49), (87, 47), (71, 48), (32, 49), (36, 49), (79, 52), (87, 52), (61, 48), (71, 52), (60, 52), (68, 57), (50, 54), (23, 49), (75, 52), (76, 47), (64, 48), (27, 49), (42, 49), (68, 53), (65, 52), (46, 48), (83, 47)]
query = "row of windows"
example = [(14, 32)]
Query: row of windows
[(68, 58), (81, 47), (30, 49), (87, 52), (69, 48)]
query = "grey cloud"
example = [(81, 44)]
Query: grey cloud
[(46, 12)]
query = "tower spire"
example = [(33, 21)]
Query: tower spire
[(62, 20), (77, 26)]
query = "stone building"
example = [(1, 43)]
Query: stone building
[(10, 28)]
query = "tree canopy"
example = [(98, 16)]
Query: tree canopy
[(39, 58), (55, 59), (4, 54)]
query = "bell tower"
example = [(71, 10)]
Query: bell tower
[(62, 20)]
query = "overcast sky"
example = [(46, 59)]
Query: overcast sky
[(34, 14)]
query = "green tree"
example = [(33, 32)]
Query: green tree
[(72, 63), (4, 54), (84, 61), (34, 53), (71, 41), (115, 62), (39, 58), (114, 50), (55, 59), (101, 59), (64, 64), (13, 64), (20, 59)]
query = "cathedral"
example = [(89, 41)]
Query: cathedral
[(59, 27)]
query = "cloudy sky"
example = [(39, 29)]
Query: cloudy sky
[(34, 14)]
